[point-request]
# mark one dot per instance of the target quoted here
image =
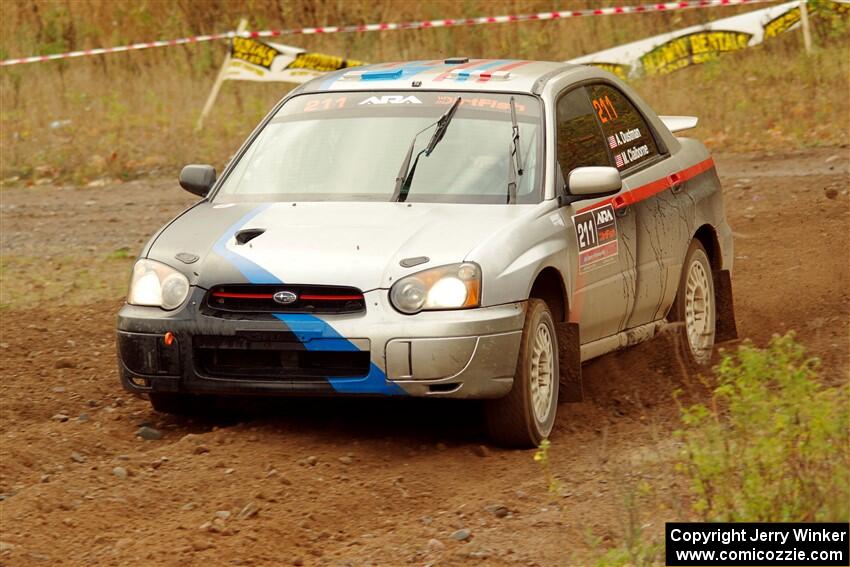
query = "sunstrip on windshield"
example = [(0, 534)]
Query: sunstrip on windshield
[(379, 101)]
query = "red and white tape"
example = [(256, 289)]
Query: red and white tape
[(422, 25), (133, 47)]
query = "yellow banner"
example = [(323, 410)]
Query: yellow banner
[(255, 60), (697, 44)]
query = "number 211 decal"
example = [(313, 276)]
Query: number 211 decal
[(605, 109), (596, 236)]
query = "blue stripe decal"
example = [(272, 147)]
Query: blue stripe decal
[(378, 75), (405, 71), (314, 333), (463, 74), (373, 383), (252, 272), (412, 69)]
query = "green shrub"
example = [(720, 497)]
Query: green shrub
[(772, 445)]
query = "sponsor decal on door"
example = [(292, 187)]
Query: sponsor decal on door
[(597, 238)]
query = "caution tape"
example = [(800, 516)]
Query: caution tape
[(541, 16), (104, 50), (421, 25)]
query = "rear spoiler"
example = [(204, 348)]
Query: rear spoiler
[(679, 123)]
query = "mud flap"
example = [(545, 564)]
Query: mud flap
[(726, 329), (569, 356)]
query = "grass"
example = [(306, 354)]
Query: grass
[(767, 98), (126, 115), (772, 444), (73, 280), (122, 253)]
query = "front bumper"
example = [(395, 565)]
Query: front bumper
[(458, 354)]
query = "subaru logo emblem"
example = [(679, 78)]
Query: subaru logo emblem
[(285, 297)]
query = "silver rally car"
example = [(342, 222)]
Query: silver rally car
[(455, 228)]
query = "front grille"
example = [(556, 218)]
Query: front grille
[(273, 356), (319, 299)]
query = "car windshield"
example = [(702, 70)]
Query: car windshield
[(349, 146)]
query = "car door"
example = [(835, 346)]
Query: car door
[(601, 250), (648, 172)]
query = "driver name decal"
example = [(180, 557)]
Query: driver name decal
[(596, 236), (622, 137)]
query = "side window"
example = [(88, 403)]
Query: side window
[(626, 132), (580, 141)]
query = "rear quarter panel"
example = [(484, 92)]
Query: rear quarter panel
[(700, 203)]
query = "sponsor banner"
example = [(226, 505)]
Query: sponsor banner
[(675, 50), (668, 52), (392, 26), (671, 51), (255, 60)]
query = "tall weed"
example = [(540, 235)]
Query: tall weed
[(772, 444)]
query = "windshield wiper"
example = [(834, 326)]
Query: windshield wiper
[(405, 177), (514, 156)]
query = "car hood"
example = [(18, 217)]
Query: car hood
[(338, 243)]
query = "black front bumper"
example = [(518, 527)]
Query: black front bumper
[(210, 354)]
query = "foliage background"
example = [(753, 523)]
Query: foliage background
[(128, 114)]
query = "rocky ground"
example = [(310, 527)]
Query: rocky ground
[(92, 476)]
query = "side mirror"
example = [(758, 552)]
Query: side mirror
[(197, 179), (594, 181)]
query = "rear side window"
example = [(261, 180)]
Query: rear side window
[(626, 132), (580, 142)]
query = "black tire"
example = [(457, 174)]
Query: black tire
[(511, 420), (179, 404), (695, 339)]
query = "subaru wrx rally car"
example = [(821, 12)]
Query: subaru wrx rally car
[(455, 228)]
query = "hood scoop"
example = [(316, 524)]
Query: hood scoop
[(247, 235)]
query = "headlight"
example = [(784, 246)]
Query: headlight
[(157, 285), (457, 286)]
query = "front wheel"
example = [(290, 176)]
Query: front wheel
[(695, 308), (526, 415)]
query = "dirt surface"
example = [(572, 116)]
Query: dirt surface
[(367, 482)]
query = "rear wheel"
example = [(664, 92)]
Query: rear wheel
[(526, 415), (695, 308)]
